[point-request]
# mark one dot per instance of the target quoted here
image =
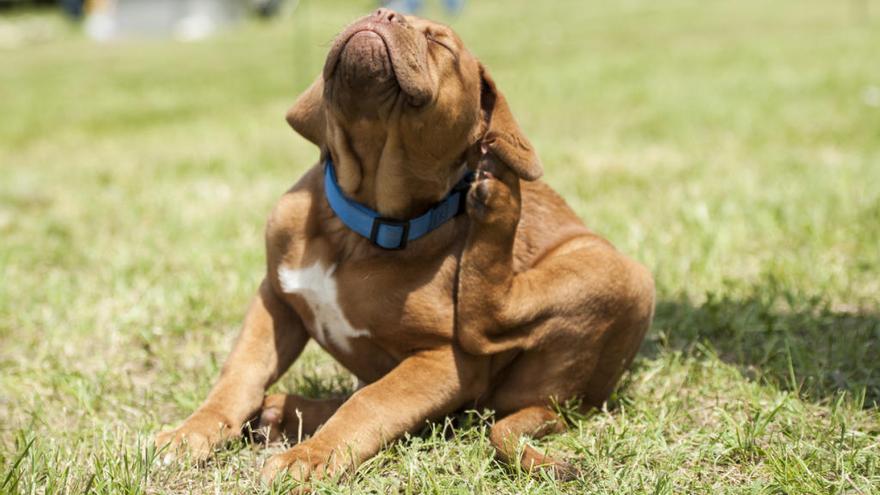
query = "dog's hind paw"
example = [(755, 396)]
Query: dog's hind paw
[(494, 197)]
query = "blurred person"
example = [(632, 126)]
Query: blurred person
[(186, 20), (267, 8), (100, 24), (416, 6), (73, 8)]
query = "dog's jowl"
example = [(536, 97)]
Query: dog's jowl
[(425, 255)]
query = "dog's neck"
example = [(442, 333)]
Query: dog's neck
[(393, 186)]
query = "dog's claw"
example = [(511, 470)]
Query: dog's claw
[(303, 462)]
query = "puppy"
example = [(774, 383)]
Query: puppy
[(423, 254)]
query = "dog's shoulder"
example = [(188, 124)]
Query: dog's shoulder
[(295, 217)]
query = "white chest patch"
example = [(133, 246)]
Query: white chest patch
[(317, 286)]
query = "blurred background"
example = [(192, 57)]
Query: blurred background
[(731, 146)]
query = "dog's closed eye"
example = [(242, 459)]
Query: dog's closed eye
[(431, 37)]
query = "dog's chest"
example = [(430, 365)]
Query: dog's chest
[(316, 285)]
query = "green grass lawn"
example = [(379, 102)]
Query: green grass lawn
[(733, 147)]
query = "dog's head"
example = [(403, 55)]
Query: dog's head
[(401, 101)]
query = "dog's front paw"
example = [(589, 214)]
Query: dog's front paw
[(304, 462), (494, 196), (197, 437)]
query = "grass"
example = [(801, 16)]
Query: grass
[(734, 147)]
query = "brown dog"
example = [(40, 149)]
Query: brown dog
[(509, 307)]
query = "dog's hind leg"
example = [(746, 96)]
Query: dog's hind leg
[(581, 286), (294, 416), (534, 422)]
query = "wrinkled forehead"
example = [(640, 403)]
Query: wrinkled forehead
[(433, 27)]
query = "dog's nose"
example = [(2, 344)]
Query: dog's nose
[(388, 15)]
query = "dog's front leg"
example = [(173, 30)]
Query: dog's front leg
[(427, 385), (271, 338)]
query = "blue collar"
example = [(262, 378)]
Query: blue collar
[(388, 233)]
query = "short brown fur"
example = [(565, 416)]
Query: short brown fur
[(510, 307)]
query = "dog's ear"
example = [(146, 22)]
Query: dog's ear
[(306, 116), (503, 137)]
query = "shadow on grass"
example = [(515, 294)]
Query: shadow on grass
[(793, 342)]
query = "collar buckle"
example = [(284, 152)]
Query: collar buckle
[(403, 225)]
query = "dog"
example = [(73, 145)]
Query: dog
[(425, 256)]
